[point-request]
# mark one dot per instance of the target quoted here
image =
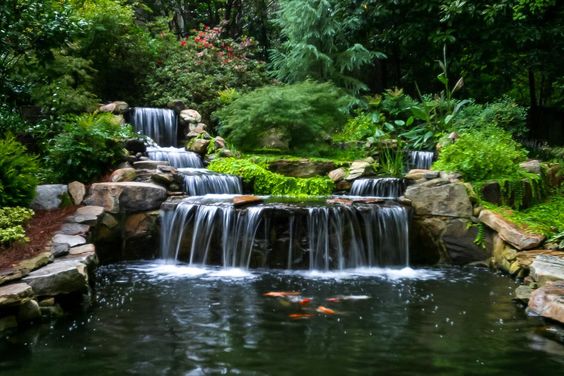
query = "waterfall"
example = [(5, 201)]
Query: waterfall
[(177, 157), (199, 181), (158, 123), (421, 159), (380, 187), (210, 230)]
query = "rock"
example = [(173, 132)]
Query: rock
[(416, 174), (339, 201), (343, 185), (358, 169), (109, 220), (431, 175), (135, 145), (177, 105), (124, 174), (140, 224), (116, 107), (532, 166), (450, 176), (547, 268), (440, 197), (190, 116), (458, 239), (28, 311), (338, 174), (85, 254), (509, 232), (11, 274), (35, 262), (88, 215), (198, 128), (198, 132), (548, 301), (149, 165), (76, 190), (15, 294), (246, 200), (60, 277), (226, 153), (199, 145), (49, 196), (8, 322), (60, 249), (526, 258), (71, 240), (126, 196), (301, 168), (73, 229), (523, 293), (554, 175), (219, 142), (164, 179)]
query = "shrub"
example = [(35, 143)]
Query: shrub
[(89, 145), (17, 174), (265, 182), (488, 153), (196, 68), (12, 220), (301, 113)]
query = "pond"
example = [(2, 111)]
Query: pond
[(160, 319)]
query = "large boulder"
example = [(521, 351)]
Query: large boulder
[(358, 169), (60, 277), (199, 145), (190, 116), (50, 197), (440, 197), (301, 168), (548, 301), (126, 196), (509, 232)]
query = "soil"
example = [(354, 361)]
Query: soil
[(39, 230)]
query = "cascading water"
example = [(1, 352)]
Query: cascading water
[(199, 181), (158, 123), (177, 157), (421, 159), (211, 230), (380, 187)]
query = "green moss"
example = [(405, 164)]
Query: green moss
[(265, 182)]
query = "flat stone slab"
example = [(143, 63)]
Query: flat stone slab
[(547, 268), (526, 258), (60, 277), (239, 201), (85, 254), (149, 165), (87, 215), (509, 232), (73, 229), (548, 301), (126, 196), (71, 240), (16, 293)]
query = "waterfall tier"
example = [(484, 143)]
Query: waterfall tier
[(379, 187), (421, 159), (158, 123), (319, 236), (177, 157), (199, 182)]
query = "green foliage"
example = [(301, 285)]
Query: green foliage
[(392, 162), (302, 113), (11, 122), (357, 128), (89, 145), (488, 153), (17, 174), (317, 45), (265, 182), (196, 68), (12, 220)]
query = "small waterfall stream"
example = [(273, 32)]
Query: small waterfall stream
[(210, 230), (421, 159), (379, 187), (200, 181), (177, 157), (158, 123)]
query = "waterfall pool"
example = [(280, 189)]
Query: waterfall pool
[(164, 319)]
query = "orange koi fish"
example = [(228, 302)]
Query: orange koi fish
[(300, 316), (281, 294), (325, 310)]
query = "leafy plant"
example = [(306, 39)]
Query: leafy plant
[(392, 161), (488, 153), (89, 145), (17, 174), (12, 220), (302, 113), (265, 182)]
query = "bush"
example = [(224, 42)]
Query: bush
[(88, 147), (488, 153), (17, 174), (195, 69), (302, 113), (265, 182), (12, 220)]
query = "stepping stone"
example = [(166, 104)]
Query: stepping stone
[(16, 293)]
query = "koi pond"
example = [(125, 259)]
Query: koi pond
[(163, 319)]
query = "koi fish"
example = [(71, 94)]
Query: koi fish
[(325, 310), (339, 298), (300, 316), (281, 294), (299, 300)]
